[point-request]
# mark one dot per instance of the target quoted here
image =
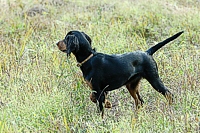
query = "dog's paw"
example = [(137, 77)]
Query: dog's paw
[(169, 96), (108, 104)]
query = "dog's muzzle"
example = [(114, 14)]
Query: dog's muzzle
[(62, 46)]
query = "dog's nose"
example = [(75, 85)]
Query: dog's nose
[(57, 43)]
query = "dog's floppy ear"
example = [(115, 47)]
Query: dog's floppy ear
[(87, 37), (72, 44)]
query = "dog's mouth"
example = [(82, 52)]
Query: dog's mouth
[(61, 46), (65, 51)]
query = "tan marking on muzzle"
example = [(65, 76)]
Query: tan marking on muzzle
[(61, 46)]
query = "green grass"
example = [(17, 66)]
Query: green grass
[(43, 91)]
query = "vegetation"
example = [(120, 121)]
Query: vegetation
[(42, 91)]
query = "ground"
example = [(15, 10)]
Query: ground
[(41, 90)]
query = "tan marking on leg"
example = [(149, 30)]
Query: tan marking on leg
[(133, 92), (93, 98), (107, 104), (89, 83), (138, 94), (92, 95)]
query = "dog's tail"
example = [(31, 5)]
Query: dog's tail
[(153, 49)]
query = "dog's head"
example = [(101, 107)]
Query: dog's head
[(74, 41)]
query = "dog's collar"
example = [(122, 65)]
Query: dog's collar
[(80, 64)]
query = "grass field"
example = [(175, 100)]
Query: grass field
[(41, 90)]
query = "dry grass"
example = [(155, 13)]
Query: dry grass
[(42, 91)]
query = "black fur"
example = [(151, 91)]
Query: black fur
[(108, 72)]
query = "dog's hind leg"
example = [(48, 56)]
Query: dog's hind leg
[(138, 94), (158, 85), (133, 88), (153, 78)]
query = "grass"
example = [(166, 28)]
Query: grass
[(43, 91)]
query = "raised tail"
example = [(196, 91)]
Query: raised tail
[(153, 49)]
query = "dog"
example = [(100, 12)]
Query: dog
[(104, 73)]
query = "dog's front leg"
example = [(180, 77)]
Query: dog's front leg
[(100, 96)]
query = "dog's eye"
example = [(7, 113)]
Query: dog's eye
[(67, 37)]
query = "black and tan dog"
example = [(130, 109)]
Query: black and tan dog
[(105, 73)]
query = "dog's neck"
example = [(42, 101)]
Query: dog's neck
[(79, 64), (83, 55)]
